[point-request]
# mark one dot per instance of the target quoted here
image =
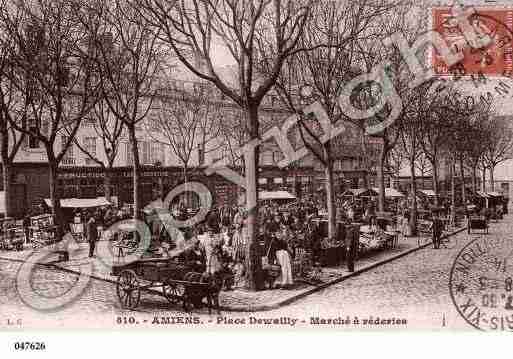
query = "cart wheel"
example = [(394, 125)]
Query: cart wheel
[(173, 292), (128, 290)]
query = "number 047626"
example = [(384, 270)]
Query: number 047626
[(29, 346)]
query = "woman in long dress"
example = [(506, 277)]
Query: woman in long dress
[(211, 243), (285, 279), (239, 240)]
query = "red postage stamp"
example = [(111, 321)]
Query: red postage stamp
[(496, 58)]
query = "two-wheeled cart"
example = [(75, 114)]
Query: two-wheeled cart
[(173, 279)]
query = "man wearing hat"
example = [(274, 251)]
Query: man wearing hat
[(437, 229), (92, 234)]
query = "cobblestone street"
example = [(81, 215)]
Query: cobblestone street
[(414, 287)]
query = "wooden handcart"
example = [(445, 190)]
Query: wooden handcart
[(176, 281), (477, 222)]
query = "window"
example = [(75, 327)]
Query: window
[(68, 158), (201, 155), (129, 156), (145, 152), (90, 147), (267, 158), (90, 122), (157, 153), (33, 142)]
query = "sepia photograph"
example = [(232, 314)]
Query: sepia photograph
[(249, 165)]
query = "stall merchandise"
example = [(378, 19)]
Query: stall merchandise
[(42, 230), (332, 249), (11, 235)]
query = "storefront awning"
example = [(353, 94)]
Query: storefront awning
[(427, 192), (80, 202), (482, 194), (269, 195), (390, 192), (360, 192)]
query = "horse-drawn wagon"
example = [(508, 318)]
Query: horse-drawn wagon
[(173, 279)]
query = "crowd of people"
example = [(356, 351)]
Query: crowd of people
[(289, 241), (285, 236)]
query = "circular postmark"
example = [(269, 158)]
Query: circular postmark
[(481, 283)]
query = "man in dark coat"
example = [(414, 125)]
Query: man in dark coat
[(92, 234), (352, 240), (437, 230), (195, 257)]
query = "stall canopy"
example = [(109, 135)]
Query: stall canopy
[(390, 193), (427, 192), (357, 192), (494, 194), (274, 195), (81, 202), (483, 194)]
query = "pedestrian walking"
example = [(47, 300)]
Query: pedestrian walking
[(437, 230), (352, 241), (92, 234)]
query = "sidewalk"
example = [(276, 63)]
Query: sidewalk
[(238, 300)]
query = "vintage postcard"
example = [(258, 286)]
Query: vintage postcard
[(294, 164)]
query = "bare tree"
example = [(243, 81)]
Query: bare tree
[(129, 58), (434, 135), (13, 109), (53, 72), (196, 30), (109, 129), (479, 138), (499, 148), (395, 160), (422, 165), (325, 71), (411, 142), (186, 121)]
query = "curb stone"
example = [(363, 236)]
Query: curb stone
[(279, 303)]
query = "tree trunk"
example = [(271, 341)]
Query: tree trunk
[(462, 175), (483, 179), (453, 193), (251, 160), (186, 198), (7, 181), (107, 182), (474, 178), (413, 211), (330, 200), (381, 179), (492, 180), (136, 174), (54, 197), (434, 168), (365, 179)]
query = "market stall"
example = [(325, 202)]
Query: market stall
[(495, 203), (392, 198), (332, 250), (381, 235), (70, 205), (281, 196), (354, 194), (11, 234), (42, 230)]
